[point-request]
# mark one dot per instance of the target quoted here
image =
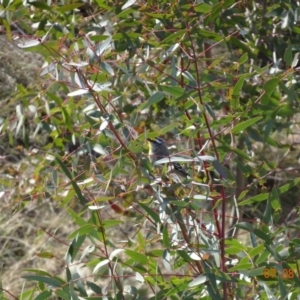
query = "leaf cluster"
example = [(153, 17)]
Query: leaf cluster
[(219, 80)]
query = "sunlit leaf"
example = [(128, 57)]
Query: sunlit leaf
[(29, 44), (48, 69), (101, 264), (99, 49), (198, 281), (128, 4)]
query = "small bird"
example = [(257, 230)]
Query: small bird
[(159, 150)]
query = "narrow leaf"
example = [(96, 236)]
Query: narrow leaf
[(167, 260), (138, 257), (155, 98), (47, 280), (74, 184), (87, 228), (238, 86), (199, 280), (288, 54), (44, 295), (166, 238), (48, 69), (128, 4), (203, 7), (243, 125), (29, 44), (100, 265), (271, 85), (103, 46), (67, 7)]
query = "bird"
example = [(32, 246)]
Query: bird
[(158, 150)]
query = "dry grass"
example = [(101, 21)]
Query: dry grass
[(28, 228), (22, 238)]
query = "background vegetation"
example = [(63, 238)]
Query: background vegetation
[(84, 213)]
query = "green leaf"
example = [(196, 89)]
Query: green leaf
[(87, 228), (76, 217), (223, 277), (262, 235), (151, 213), (288, 186), (175, 37), (241, 154), (111, 223), (243, 58), (67, 7), (274, 198), (104, 199), (62, 293), (74, 247), (94, 287), (48, 280), (245, 226), (238, 86), (256, 271), (282, 288), (135, 146), (175, 91), (44, 295), (203, 7), (45, 254), (119, 167), (262, 258), (235, 243), (288, 54), (159, 16), (74, 184), (183, 254), (273, 252), (243, 125), (216, 62), (209, 35), (40, 5), (243, 46), (274, 11), (258, 198), (256, 251), (271, 85), (220, 169), (178, 285), (107, 68), (296, 29), (155, 98), (268, 212), (167, 260), (228, 3), (137, 257), (169, 128), (166, 238), (241, 266), (233, 250)]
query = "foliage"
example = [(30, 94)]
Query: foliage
[(222, 78)]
